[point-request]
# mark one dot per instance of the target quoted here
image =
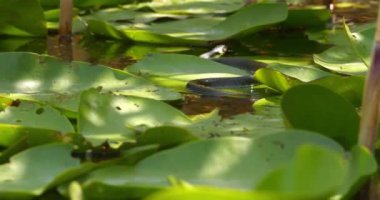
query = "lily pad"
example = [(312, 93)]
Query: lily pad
[(176, 69), (47, 79), (165, 136), (352, 53), (224, 162), (27, 174), (36, 116), (349, 87), (196, 6), (211, 125), (109, 117), (30, 21), (315, 108), (245, 21), (302, 73)]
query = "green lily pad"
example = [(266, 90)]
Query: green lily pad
[(36, 116), (125, 16), (314, 173), (315, 108), (109, 117), (302, 73), (197, 30), (29, 22), (342, 60), (275, 79), (362, 42), (306, 17), (31, 172), (176, 69), (43, 78), (246, 125), (196, 6), (349, 87), (165, 136), (224, 162), (317, 180), (210, 193), (352, 52)]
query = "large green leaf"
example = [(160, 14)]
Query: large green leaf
[(30, 172), (47, 79), (196, 6), (275, 79), (36, 116), (197, 30), (212, 125), (316, 108), (22, 18), (191, 193), (230, 162), (176, 69), (352, 52), (349, 87), (314, 173), (302, 73), (105, 116)]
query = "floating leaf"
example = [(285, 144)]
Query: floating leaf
[(109, 117), (196, 6), (349, 87), (36, 116), (274, 79), (30, 172), (314, 173), (302, 73), (165, 136), (177, 69), (197, 30), (315, 108), (224, 162), (47, 79)]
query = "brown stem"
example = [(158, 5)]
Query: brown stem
[(371, 108), (371, 98), (65, 20)]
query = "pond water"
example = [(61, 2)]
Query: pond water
[(291, 45)]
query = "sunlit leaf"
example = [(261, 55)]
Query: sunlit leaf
[(47, 79), (29, 173), (225, 162), (308, 175), (197, 30), (196, 6), (113, 117), (36, 116), (302, 73)]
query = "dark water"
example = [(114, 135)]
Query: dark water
[(118, 54)]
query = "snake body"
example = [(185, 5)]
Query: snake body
[(211, 86)]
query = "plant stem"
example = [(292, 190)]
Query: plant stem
[(371, 108), (65, 20)]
